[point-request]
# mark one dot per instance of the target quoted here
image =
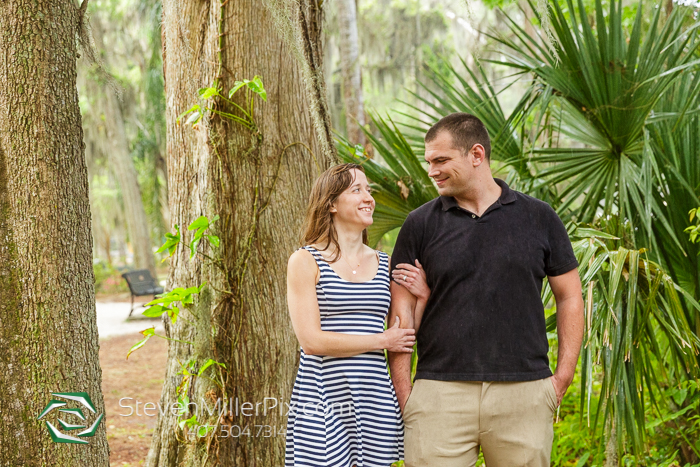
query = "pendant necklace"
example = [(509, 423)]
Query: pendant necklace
[(346, 261)]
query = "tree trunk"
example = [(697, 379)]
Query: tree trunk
[(122, 166), (258, 183), (350, 69), (48, 329), (611, 459)]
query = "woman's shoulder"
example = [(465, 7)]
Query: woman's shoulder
[(302, 258), (302, 266)]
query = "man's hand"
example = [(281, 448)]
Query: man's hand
[(560, 387), (403, 398)]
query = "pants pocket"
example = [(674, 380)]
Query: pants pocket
[(407, 409), (551, 394)]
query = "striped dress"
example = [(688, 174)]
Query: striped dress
[(344, 411)]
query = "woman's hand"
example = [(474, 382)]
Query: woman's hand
[(413, 279), (397, 339)]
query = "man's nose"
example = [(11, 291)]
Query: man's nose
[(433, 172)]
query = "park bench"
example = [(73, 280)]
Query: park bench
[(141, 283)]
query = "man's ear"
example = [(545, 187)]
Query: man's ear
[(478, 155)]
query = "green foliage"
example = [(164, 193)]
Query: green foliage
[(201, 225), (165, 303), (171, 243), (635, 329), (245, 116), (694, 230), (147, 333), (188, 372)]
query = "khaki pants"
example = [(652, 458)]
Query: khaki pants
[(447, 421)]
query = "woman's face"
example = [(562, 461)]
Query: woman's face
[(355, 205)]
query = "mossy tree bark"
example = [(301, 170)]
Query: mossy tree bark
[(258, 183), (48, 328), (351, 71)]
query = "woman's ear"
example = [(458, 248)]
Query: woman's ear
[(333, 209)]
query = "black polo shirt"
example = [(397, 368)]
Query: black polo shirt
[(485, 319)]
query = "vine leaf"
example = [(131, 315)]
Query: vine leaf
[(194, 118), (171, 243), (255, 85), (207, 93), (201, 224), (148, 333)]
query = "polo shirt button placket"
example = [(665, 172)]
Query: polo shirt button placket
[(473, 216)]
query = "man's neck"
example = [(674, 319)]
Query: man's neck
[(480, 196)]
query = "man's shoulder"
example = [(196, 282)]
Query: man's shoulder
[(531, 202), (426, 210)]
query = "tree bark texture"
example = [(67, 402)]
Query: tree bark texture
[(48, 329), (116, 149), (351, 71), (258, 183)]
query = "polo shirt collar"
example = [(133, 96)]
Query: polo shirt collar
[(507, 196)]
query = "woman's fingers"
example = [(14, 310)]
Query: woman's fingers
[(407, 267)]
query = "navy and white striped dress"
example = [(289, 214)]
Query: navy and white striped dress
[(344, 411)]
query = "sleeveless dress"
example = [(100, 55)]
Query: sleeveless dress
[(344, 410)]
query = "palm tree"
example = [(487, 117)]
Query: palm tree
[(619, 112)]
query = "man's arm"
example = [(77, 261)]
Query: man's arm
[(402, 305), (570, 323)]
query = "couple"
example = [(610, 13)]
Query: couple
[(467, 274)]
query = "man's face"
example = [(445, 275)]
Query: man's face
[(451, 169)]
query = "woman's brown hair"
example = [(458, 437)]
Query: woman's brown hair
[(318, 226)]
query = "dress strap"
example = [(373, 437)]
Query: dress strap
[(314, 252)]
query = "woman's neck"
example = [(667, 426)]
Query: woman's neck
[(350, 242)]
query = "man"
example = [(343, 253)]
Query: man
[(483, 378)]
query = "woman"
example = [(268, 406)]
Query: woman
[(344, 411)]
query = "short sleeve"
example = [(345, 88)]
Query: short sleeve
[(408, 243), (559, 257)]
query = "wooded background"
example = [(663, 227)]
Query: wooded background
[(128, 125)]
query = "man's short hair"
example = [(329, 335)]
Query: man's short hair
[(466, 131)]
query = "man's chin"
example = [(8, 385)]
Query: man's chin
[(444, 191)]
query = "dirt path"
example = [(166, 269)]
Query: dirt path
[(140, 378)]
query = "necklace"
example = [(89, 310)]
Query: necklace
[(346, 261)]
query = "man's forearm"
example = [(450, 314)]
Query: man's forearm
[(402, 305), (400, 366), (570, 323)]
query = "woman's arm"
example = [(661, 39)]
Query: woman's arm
[(306, 318)]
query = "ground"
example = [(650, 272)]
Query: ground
[(141, 378)]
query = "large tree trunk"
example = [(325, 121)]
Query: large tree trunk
[(350, 69), (122, 165), (48, 330), (258, 183)]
